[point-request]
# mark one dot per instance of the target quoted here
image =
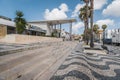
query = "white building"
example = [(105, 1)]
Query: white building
[(7, 26), (51, 25)]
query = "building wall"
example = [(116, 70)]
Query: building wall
[(25, 39), (108, 34), (3, 30)]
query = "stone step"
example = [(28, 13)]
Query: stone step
[(33, 75), (26, 48), (37, 70), (7, 58), (12, 63), (50, 71), (37, 64), (17, 71)]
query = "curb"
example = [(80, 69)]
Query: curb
[(18, 50), (12, 51)]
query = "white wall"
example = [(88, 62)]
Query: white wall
[(108, 34)]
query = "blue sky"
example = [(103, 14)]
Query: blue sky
[(106, 11), (33, 10)]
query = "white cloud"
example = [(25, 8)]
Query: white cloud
[(77, 26), (113, 9), (56, 13), (108, 22), (63, 7), (76, 11), (98, 4)]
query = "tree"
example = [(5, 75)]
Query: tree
[(87, 9), (95, 29), (20, 22), (104, 27), (91, 18), (88, 33), (84, 17)]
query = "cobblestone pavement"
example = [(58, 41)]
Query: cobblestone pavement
[(81, 66), (113, 49)]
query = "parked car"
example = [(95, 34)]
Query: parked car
[(108, 41)]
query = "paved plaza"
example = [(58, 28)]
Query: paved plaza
[(68, 60)]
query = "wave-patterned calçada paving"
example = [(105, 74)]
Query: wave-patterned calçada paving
[(87, 66)]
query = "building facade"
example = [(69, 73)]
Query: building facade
[(7, 26)]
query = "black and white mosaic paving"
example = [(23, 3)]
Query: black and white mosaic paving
[(82, 66)]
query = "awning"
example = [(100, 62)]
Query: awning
[(7, 22), (35, 28), (55, 21)]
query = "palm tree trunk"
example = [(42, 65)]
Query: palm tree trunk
[(85, 31), (16, 30), (87, 15), (87, 39), (91, 21)]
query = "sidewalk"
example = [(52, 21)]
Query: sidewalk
[(84, 66), (96, 50)]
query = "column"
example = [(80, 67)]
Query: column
[(70, 31), (60, 30)]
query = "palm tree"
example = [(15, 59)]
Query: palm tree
[(83, 17), (104, 27), (20, 22), (91, 22), (95, 30), (87, 9), (86, 13)]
